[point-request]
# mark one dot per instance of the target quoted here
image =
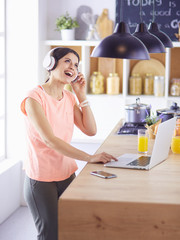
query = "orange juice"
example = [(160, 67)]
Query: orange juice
[(175, 144), (142, 144)]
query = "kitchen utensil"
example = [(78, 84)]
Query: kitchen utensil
[(90, 20), (82, 32), (153, 66), (168, 113), (104, 24), (137, 112)]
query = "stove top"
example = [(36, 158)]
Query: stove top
[(131, 128)]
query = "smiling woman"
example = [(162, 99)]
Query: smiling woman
[(50, 114)]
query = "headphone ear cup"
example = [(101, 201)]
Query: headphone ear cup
[(49, 61)]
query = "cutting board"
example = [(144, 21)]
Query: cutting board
[(104, 24), (82, 31), (153, 66)]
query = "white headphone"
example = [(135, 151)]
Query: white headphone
[(49, 61)]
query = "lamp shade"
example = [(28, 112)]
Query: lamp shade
[(152, 43), (121, 44), (153, 29)]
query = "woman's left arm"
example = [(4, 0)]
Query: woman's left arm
[(83, 116)]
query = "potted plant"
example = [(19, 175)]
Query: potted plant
[(152, 123), (66, 25)]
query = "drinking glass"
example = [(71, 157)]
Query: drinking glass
[(142, 140)]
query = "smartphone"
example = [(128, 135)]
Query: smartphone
[(103, 174), (75, 79)]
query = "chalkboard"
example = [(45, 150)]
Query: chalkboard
[(167, 14)]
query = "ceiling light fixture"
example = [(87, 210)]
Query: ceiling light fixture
[(121, 44), (152, 43), (153, 29)]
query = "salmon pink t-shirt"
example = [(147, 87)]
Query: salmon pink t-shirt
[(44, 163)]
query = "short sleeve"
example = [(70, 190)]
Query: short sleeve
[(32, 94)]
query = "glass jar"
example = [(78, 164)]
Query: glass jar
[(159, 86), (148, 84), (97, 83), (175, 143), (175, 87), (112, 84), (135, 84)]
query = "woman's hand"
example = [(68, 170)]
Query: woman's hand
[(101, 157), (79, 86)]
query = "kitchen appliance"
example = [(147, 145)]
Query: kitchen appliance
[(137, 112), (131, 128), (168, 113)]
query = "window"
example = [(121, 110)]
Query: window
[(2, 79)]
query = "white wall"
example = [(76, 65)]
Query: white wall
[(22, 67), (22, 75), (56, 8)]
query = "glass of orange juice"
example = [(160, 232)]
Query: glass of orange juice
[(142, 140), (175, 143)]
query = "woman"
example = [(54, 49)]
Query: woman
[(50, 114)]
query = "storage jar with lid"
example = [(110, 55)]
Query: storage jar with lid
[(175, 87), (159, 86), (175, 143), (148, 84), (135, 84), (112, 84), (97, 83)]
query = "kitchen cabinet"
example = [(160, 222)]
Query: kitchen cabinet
[(136, 205), (108, 109)]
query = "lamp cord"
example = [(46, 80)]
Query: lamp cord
[(141, 11), (121, 11), (153, 11)]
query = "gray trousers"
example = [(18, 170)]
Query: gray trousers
[(42, 200)]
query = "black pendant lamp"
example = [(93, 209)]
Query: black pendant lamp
[(153, 29), (152, 43), (121, 44)]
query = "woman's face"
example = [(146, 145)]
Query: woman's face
[(66, 69)]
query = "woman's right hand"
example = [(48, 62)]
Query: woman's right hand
[(101, 157)]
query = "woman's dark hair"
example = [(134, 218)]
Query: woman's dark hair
[(59, 53)]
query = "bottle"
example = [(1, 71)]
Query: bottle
[(148, 84), (112, 84), (159, 86), (175, 87), (175, 143), (97, 83), (135, 82)]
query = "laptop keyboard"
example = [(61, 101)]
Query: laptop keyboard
[(142, 161)]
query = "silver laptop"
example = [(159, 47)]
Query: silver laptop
[(160, 150)]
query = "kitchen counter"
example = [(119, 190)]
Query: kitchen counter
[(138, 204)]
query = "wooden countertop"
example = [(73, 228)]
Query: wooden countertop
[(155, 192)]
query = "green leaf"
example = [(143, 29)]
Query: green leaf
[(66, 22)]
